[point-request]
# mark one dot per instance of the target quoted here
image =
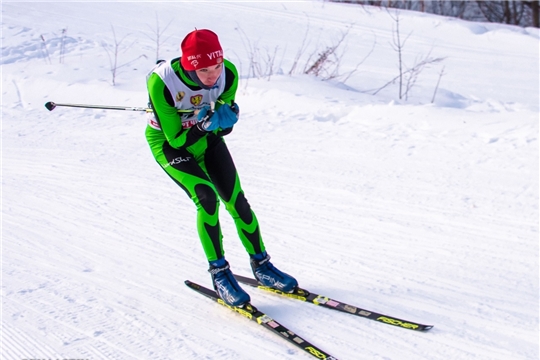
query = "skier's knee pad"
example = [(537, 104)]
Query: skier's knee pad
[(206, 198)]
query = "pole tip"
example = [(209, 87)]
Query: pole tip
[(50, 105)]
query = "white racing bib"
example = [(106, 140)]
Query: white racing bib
[(184, 97)]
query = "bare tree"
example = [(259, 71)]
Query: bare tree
[(398, 45), (114, 53), (411, 75), (327, 64), (506, 12), (44, 49), (63, 45), (158, 34), (515, 12), (300, 51), (407, 76), (328, 61), (346, 76), (441, 73), (535, 12), (252, 50), (261, 61)]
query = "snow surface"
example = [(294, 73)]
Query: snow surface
[(419, 210)]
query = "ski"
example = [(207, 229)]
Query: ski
[(307, 296), (252, 313)]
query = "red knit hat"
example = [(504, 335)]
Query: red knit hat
[(200, 49)]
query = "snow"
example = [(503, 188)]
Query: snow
[(422, 211)]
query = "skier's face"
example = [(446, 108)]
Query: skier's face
[(209, 75)]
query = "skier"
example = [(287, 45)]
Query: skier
[(193, 102)]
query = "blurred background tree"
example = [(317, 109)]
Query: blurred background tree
[(513, 12)]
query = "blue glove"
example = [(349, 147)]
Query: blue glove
[(228, 115), (207, 119)]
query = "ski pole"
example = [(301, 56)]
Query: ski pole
[(52, 105)]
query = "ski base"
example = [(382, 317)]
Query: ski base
[(316, 299), (252, 313)]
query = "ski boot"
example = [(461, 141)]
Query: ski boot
[(226, 285), (268, 275)]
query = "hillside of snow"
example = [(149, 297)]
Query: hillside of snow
[(426, 211)]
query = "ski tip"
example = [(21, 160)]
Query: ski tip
[(427, 327), (193, 286), (50, 105)]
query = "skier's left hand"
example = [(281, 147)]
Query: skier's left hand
[(207, 119), (228, 115)]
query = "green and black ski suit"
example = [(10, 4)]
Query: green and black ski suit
[(199, 162)]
